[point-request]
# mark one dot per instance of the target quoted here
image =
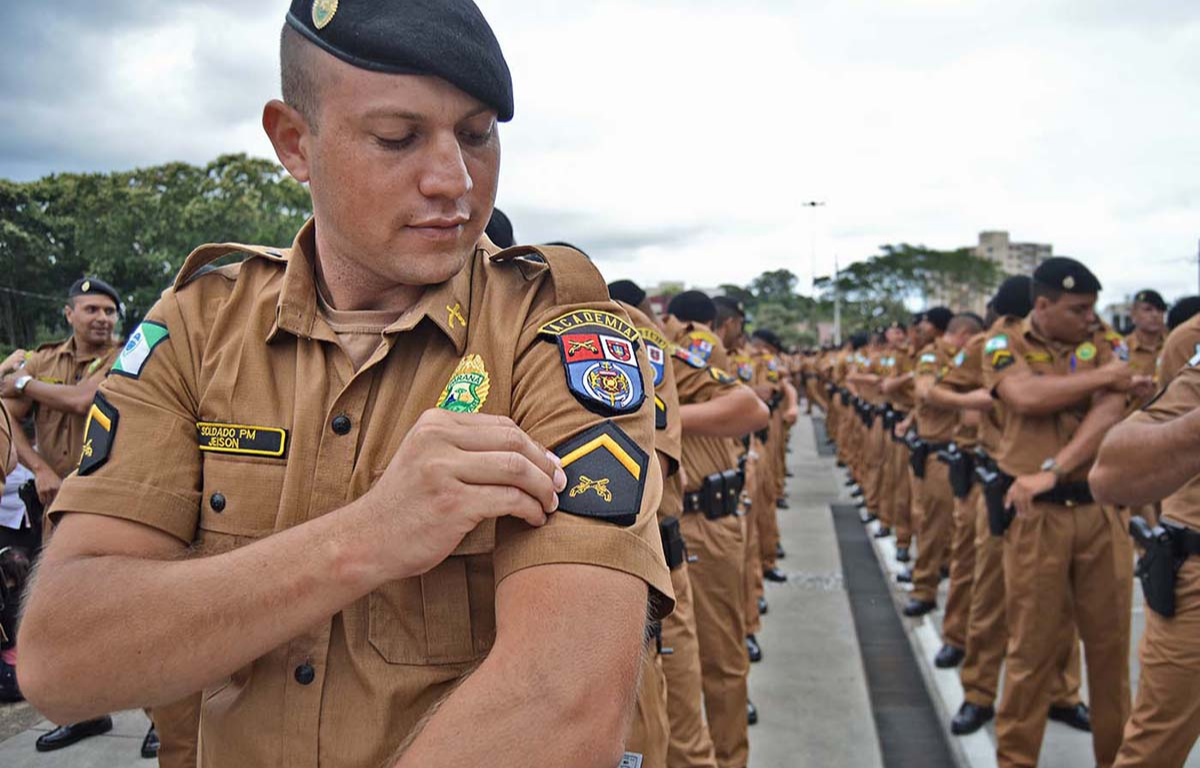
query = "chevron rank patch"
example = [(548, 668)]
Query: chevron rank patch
[(721, 377), (1001, 359), (98, 434), (701, 344), (679, 353), (656, 351), (660, 413), (598, 351), (141, 344), (606, 475)]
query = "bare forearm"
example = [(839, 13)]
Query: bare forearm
[(1086, 441), (736, 414), (1044, 395), (1143, 463), (62, 397), (975, 400), (106, 633), (25, 452)]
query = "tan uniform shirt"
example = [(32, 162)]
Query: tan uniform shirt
[(1144, 359), (935, 424), (8, 454), (668, 426), (1181, 396), (1014, 347), (1179, 350), (60, 434), (249, 418), (902, 363), (966, 375), (704, 456)]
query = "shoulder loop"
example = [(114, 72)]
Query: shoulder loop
[(201, 259), (576, 279), (49, 345)]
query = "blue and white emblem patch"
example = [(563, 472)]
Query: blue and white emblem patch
[(599, 353), (656, 346)]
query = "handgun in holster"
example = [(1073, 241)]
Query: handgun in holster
[(995, 487), (33, 506), (1158, 567), (674, 547), (735, 481), (845, 396), (961, 469), (918, 453), (776, 399), (713, 493)]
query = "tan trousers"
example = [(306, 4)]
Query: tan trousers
[(873, 481), (766, 516), (962, 570), (933, 505), (987, 630), (901, 500), (650, 733), (1054, 554), (753, 570), (178, 727), (690, 744), (1165, 722), (718, 584)]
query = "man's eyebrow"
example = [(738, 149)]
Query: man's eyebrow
[(417, 117)]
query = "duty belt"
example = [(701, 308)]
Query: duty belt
[(1067, 494), (1166, 547)]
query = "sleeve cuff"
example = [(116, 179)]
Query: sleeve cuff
[(168, 512)]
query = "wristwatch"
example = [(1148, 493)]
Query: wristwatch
[(21, 383), (1051, 465)]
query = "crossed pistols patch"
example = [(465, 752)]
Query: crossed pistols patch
[(242, 439), (606, 474), (599, 354), (98, 435)]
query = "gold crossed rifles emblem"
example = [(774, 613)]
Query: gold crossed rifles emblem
[(587, 344), (455, 313), (587, 484)]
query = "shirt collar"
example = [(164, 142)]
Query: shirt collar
[(447, 305)]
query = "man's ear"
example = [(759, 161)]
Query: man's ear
[(289, 132), (67, 311)]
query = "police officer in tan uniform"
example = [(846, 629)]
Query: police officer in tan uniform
[(1152, 457), (1062, 387), (414, 473), (716, 410)]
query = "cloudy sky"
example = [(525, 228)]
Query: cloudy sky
[(678, 139)]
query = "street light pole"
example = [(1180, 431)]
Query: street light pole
[(812, 205), (837, 303)]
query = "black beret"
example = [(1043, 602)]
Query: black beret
[(449, 39), (1185, 309), (693, 307), (1014, 297), (917, 318), (1151, 297), (939, 317), (858, 340), (1067, 275), (500, 230), (769, 337), (731, 304), (91, 286), (627, 291)]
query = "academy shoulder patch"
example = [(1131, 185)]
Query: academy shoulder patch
[(656, 346), (468, 388), (606, 475), (679, 353), (141, 344), (660, 413), (98, 434), (598, 351), (721, 377), (701, 344), (995, 344), (241, 439)]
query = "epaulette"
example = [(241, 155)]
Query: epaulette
[(200, 261), (50, 345), (576, 279)]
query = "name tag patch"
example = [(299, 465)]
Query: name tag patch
[(241, 439)]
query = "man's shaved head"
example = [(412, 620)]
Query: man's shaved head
[(299, 74)]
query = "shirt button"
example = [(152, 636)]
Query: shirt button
[(217, 502), (305, 674), (341, 424)]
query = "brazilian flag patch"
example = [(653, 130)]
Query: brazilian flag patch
[(606, 475), (98, 434)]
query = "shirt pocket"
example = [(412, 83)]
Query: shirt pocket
[(444, 616), (240, 501)]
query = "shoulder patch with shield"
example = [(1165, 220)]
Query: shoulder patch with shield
[(606, 475), (656, 352), (679, 353), (599, 354), (701, 344)]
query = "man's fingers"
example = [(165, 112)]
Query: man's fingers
[(503, 436), (506, 501), (510, 469)]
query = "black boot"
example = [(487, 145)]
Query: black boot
[(914, 608), (970, 718), (762, 606), (66, 735), (883, 532), (902, 555), (751, 713), (775, 575), (150, 743), (1077, 717), (948, 657), (753, 648), (905, 576), (779, 553)]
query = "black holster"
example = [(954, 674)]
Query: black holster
[(995, 487), (1158, 567), (918, 454), (845, 396), (962, 470), (33, 507), (674, 548)]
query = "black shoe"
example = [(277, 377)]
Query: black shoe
[(850, 481), (1077, 717), (905, 576), (66, 735), (883, 532), (970, 718), (914, 608), (779, 553), (150, 743), (762, 606), (841, 464), (775, 575), (856, 493), (781, 504), (948, 657), (902, 555), (753, 648), (945, 572), (790, 473), (869, 518), (751, 713), (10, 692)]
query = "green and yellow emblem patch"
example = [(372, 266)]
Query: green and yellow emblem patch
[(468, 388), (1086, 351)]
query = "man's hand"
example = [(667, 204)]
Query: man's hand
[(48, 482), (12, 362), (1143, 387), (452, 472), (901, 429), (791, 415), (8, 388), (1120, 375), (1025, 487)]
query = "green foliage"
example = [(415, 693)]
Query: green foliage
[(132, 229)]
